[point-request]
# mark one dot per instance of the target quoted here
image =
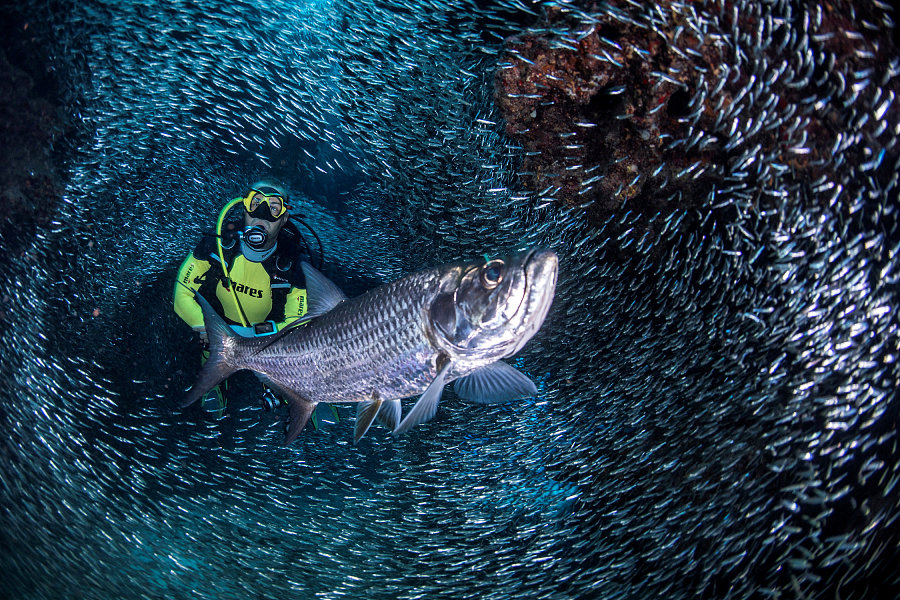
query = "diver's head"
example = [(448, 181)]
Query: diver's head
[(265, 213)]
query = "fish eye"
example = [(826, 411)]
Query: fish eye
[(492, 274)]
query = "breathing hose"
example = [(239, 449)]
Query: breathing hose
[(221, 220)]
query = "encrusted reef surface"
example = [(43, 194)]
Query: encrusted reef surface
[(665, 105)]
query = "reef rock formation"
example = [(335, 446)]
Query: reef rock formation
[(35, 122), (676, 105)]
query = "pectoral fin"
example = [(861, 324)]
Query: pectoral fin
[(427, 403), (494, 383), (365, 414)]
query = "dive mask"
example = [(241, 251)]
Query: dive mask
[(267, 204)]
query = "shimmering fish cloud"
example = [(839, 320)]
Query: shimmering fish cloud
[(716, 412)]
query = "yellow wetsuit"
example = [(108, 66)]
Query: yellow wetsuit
[(271, 292)]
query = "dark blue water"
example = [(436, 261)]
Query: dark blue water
[(717, 411)]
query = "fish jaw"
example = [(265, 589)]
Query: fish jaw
[(541, 274)]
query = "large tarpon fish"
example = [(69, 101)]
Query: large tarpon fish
[(409, 337)]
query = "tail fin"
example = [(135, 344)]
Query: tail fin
[(218, 366)]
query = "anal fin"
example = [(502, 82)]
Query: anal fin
[(365, 415)]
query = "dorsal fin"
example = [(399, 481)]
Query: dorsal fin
[(322, 293)]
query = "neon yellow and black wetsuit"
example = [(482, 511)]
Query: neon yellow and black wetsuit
[(270, 287)]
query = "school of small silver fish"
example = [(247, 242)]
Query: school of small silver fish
[(717, 412)]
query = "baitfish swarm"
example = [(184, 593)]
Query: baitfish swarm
[(717, 407)]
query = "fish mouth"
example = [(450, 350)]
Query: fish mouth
[(541, 264), (541, 267)]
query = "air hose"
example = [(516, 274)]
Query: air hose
[(222, 214)]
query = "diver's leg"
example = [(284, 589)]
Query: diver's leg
[(215, 400)]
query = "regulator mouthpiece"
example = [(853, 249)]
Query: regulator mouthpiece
[(255, 237)]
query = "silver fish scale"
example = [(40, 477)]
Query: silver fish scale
[(717, 413), (386, 352)]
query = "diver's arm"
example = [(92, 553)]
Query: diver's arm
[(295, 306), (188, 280)]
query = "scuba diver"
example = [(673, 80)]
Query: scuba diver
[(252, 277)]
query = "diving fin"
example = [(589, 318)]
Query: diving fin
[(494, 383), (317, 418)]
